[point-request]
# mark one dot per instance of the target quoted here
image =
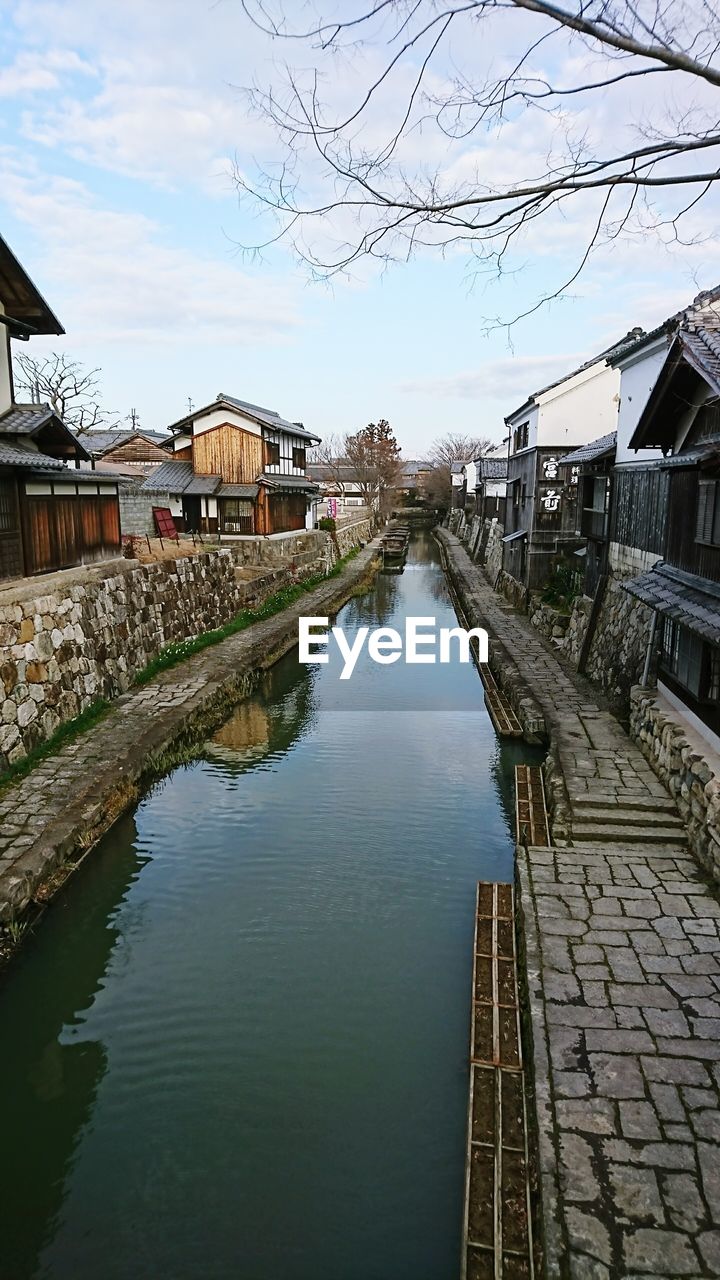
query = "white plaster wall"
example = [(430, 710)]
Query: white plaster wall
[(581, 409), (219, 416), (5, 379), (636, 382)]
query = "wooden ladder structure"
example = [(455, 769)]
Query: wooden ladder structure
[(501, 713), (531, 816), (497, 1224)]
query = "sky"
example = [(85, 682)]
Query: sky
[(120, 126)]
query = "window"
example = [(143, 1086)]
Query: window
[(521, 436), (298, 456), (516, 493), (272, 453), (707, 529), (8, 520), (523, 493), (687, 659), (236, 515)]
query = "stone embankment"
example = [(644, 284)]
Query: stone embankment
[(68, 800), (71, 638), (620, 931)]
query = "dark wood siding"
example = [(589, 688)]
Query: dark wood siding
[(11, 558), (61, 531), (682, 549), (640, 509), (287, 512)]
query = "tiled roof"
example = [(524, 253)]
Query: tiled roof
[(288, 482), (97, 442), (703, 302), (237, 491), (24, 419), (14, 455), (171, 476), (631, 339), (589, 452), (268, 417), (456, 468), (692, 601), (205, 485), (492, 468)]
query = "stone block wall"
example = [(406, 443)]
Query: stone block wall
[(73, 637), (689, 770), (619, 645), (576, 629), (136, 511), (493, 549), (547, 620)]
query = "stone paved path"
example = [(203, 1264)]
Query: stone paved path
[(623, 962), (70, 798)]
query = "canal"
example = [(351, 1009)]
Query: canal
[(236, 1048)]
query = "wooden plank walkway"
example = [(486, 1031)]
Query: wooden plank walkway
[(531, 817), (497, 1225), (501, 713)]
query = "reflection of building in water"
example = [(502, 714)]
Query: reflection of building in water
[(48, 1085), (271, 722), (245, 736)]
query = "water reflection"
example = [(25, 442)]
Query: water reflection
[(49, 1078), (239, 1040)]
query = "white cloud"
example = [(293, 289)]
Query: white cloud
[(506, 378), (121, 280), (34, 73)]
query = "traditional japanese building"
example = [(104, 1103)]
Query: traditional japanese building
[(593, 464), (51, 515), (681, 421), (541, 522), (237, 469)]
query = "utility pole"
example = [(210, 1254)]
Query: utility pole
[(134, 419), (190, 404)]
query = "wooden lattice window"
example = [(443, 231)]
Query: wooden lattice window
[(707, 529), (298, 457), (8, 510)]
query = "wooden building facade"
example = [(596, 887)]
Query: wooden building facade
[(51, 516), (237, 470), (675, 511)]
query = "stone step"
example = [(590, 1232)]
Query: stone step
[(616, 833), (661, 804), (627, 817)]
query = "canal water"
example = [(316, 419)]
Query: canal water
[(236, 1048)]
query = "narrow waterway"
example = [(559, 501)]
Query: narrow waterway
[(236, 1048)]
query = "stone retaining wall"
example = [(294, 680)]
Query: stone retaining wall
[(548, 621), (688, 769), (71, 638), (619, 645)]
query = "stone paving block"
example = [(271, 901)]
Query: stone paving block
[(638, 1120), (616, 1076), (661, 1253), (635, 1192), (682, 1199)]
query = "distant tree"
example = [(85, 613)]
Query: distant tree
[(450, 448), (71, 389), (331, 454), (374, 455)]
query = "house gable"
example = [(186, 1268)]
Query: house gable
[(229, 451)]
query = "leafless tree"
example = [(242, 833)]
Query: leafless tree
[(647, 69), (71, 389), (331, 455), (454, 447)]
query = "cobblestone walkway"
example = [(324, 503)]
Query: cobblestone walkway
[(623, 963), (70, 798)]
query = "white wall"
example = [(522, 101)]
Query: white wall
[(580, 409), (218, 416), (5, 380), (530, 416), (637, 380)]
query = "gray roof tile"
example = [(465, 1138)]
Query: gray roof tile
[(24, 419), (688, 599), (589, 452), (173, 476), (237, 491), (14, 455)]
